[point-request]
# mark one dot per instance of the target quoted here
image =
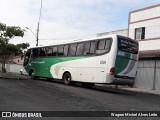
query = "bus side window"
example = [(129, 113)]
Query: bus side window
[(107, 46), (66, 50), (79, 49), (60, 50), (72, 49), (49, 51), (86, 48), (35, 52), (103, 46), (92, 48), (42, 52), (54, 51)]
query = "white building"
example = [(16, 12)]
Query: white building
[(144, 26)]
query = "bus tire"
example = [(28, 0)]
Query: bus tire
[(33, 77), (67, 79)]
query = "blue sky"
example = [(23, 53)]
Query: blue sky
[(68, 19)]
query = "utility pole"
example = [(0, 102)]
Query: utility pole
[(37, 36), (39, 20)]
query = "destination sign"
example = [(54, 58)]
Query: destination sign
[(128, 45)]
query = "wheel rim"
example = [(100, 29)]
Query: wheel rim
[(68, 79), (32, 75)]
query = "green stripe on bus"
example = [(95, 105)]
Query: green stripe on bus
[(121, 63), (42, 65)]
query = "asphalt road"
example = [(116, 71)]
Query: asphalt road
[(42, 95)]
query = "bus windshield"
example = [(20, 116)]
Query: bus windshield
[(127, 45)]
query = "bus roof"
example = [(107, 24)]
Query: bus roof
[(78, 40)]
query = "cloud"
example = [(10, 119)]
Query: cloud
[(68, 19)]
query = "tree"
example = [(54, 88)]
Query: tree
[(21, 47), (6, 49)]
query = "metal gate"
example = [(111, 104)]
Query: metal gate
[(148, 74)]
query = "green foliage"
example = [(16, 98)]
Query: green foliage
[(8, 32), (6, 49), (23, 45), (20, 48)]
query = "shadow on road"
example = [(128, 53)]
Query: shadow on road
[(106, 89)]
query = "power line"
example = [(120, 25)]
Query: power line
[(77, 35)]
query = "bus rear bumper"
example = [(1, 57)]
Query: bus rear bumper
[(119, 81)]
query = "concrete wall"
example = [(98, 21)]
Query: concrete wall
[(148, 75), (13, 68), (157, 81)]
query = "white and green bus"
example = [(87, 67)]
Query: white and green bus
[(108, 60)]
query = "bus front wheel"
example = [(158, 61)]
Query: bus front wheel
[(67, 79), (33, 77)]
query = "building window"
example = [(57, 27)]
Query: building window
[(140, 33)]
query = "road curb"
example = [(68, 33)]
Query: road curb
[(135, 90), (13, 76), (151, 92)]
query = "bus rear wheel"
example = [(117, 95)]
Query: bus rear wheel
[(67, 79)]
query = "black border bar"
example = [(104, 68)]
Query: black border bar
[(80, 114)]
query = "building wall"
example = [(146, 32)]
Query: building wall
[(148, 73), (18, 60), (145, 13), (13, 68), (157, 75), (123, 32), (150, 19)]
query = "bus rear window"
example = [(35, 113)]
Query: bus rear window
[(128, 45)]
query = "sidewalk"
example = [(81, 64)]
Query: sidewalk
[(18, 76), (138, 90), (154, 92)]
